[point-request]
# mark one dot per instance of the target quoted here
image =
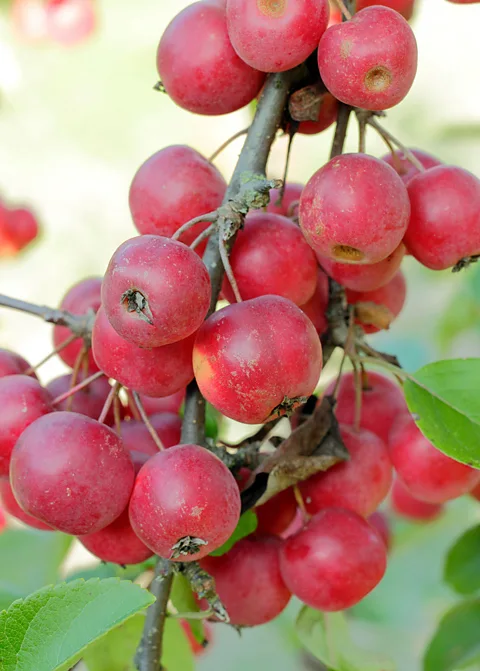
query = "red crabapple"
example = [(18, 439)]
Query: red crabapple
[(444, 226), (359, 484), (136, 436), (379, 521), (171, 187), (79, 299), (71, 472), (354, 225), (369, 61), (170, 403), (361, 277), (276, 514), (271, 256), (159, 371), (185, 503), (403, 7), (29, 20), (327, 114), (248, 580), (254, 360), (382, 403), (156, 291), (464, 2), (11, 506), (276, 35), (12, 363), (406, 505), (334, 561), (70, 22), (405, 167), (316, 307), (198, 65), (88, 401), (22, 401), (391, 297), (196, 647), (283, 206), (117, 543), (427, 473), (18, 228)]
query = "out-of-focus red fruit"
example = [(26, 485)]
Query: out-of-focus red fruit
[(18, 228), (276, 514), (29, 20), (316, 307), (361, 277), (3, 521), (428, 474), (369, 61), (136, 436), (361, 225), (79, 299), (204, 76), (406, 505), (382, 403), (12, 363), (248, 580), (403, 7), (391, 298), (296, 524), (88, 401), (359, 484), (334, 561), (172, 187), (291, 195), (70, 22), (255, 360), (405, 168), (379, 521), (170, 403), (12, 508), (196, 647), (444, 227), (271, 257)]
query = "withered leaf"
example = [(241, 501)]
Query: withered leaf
[(373, 314)]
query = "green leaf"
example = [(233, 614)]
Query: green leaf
[(326, 636), (456, 643), (246, 525), (29, 559), (446, 398), (462, 565), (50, 629), (184, 602), (116, 650), (107, 570), (177, 653)]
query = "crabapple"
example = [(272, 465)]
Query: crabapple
[(70, 22), (258, 27), (159, 371), (428, 474), (406, 505), (382, 402), (256, 360), (359, 484), (198, 65), (71, 472), (271, 256), (171, 187), (248, 580), (12, 363), (185, 503), (29, 20), (18, 228), (276, 514), (389, 298), (10, 504), (361, 225), (79, 299), (334, 561), (403, 7), (379, 521), (283, 204), (88, 401), (316, 307), (444, 227), (361, 277), (136, 436), (369, 61), (155, 291), (170, 403), (405, 168), (327, 114), (22, 400)]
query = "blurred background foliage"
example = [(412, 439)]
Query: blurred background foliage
[(75, 124)]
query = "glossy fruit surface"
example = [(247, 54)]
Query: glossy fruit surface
[(271, 256), (354, 225), (185, 503), (71, 472), (390, 298), (334, 561), (253, 360), (155, 291), (405, 168), (406, 505), (159, 371), (204, 76), (12, 363), (369, 61), (248, 580), (11, 506)]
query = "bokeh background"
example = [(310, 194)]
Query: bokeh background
[(77, 121)]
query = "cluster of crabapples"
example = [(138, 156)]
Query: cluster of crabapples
[(63, 22), (18, 228), (75, 460)]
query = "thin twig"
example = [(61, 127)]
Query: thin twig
[(228, 270), (81, 356), (78, 387), (108, 403), (151, 430), (346, 13), (385, 134), (203, 235), (357, 380), (51, 354), (133, 406), (210, 218), (301, 504), (223, 146)]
